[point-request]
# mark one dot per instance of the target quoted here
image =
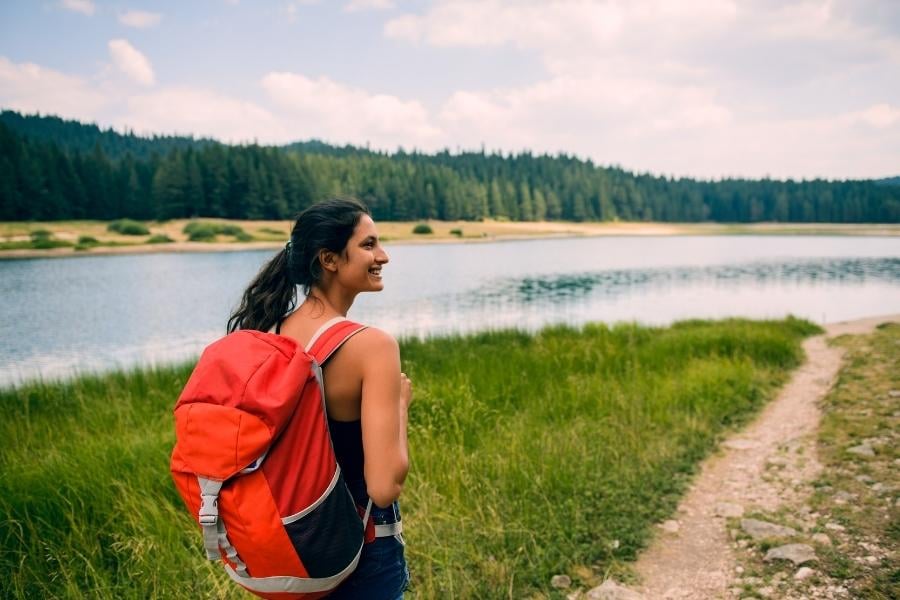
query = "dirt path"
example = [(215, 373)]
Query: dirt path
[(693, 556)]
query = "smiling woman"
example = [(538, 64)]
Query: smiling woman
[(334, 254)]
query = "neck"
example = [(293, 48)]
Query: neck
[(335, 301)]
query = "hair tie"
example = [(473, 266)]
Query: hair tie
[(287, 247)]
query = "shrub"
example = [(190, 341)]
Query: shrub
[(40, 234), (160, 239), (86, 240), (206, 231), (456, 232), (229, 230), (207, 234), (270, 231), (128, 227), (422, 228), (47, 243)]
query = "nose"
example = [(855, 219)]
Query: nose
[(382, 257)]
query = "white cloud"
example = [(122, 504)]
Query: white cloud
[(363, 5), (880, 116), (560, 25), (30, 88), (85, 7), (697, 87), (326, 109), (140, 19), (201, 112), (131, 62), (294, 6)]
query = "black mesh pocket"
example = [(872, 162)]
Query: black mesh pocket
[(328, 538)]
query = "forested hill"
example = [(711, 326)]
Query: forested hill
[(73, 136), (56, 169)]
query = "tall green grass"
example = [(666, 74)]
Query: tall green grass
[(531, 453)]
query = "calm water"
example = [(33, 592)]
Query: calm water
[(62, 316)]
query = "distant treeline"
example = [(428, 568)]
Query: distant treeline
[(56, 169)]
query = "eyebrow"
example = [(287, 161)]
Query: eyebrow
[(370, 238)]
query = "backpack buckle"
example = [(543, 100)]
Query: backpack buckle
[(209, 509)]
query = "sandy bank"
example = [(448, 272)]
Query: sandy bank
[(397, 233)]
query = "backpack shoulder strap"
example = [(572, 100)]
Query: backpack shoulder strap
[(330, 336)]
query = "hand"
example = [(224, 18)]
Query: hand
[(405, 391)]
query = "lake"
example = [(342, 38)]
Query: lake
[(94, 313)]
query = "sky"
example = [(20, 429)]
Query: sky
[(696, 88)]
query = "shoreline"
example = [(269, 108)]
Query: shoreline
[(833, 329), (399, 233)]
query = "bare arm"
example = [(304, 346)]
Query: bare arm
[(386, 394)]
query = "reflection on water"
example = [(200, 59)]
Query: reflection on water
[(564, 287), (59, 317)]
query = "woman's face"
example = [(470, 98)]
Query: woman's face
[(360, 266)]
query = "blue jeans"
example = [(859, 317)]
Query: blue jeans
[(381, 573)]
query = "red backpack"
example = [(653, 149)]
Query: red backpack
[(254, 462)]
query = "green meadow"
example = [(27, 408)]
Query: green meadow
[(532, 455)]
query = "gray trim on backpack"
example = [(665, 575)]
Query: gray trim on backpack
[(214, 534), (320, 500), (296, 585), (389, 529), (325, 326)]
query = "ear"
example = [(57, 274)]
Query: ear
[(328, 260)]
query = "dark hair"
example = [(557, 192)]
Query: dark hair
[(326, 225)]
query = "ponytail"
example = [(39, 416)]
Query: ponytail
[(270, 296)]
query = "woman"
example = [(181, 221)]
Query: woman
[(334, 254)]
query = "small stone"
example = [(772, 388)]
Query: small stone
[(834, 527), (862, 450), (560, 582), (894, 394), (878, 487), (670, 526), (727, 509), (739, 569), (803, 573), (766, 592), (762, 529), (610, 590), (843, 497), (576, 595), (871, 559), (864, 479), (796, 553), (821, 538)]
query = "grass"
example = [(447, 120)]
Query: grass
[(864, 407), (532, 455)]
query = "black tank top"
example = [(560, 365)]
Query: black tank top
[(346, 437)]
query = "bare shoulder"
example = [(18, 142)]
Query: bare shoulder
[(372, 339)]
